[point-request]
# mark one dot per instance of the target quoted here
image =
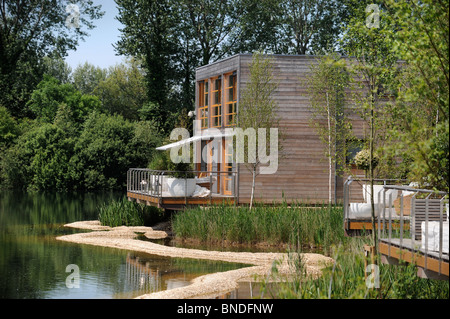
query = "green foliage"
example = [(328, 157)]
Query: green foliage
[(8, 128), (50, 94), (57, 68), (30, 31), (421, 109), (59, 157), (40, 159), (160, 161), (296, 225), (362, 160), (431, 164), (105, 150), (345, 279), (122, 90), (86, 78), (123, 212)]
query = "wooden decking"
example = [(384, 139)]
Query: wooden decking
[(166, 201), (357, 226), (430, 264)]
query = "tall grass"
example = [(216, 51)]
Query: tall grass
[(123, 212), (346, 279), (294, 225)]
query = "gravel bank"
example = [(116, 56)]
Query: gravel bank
[(206, 286)]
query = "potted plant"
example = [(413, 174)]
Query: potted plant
[(182, 180), (362, 161)]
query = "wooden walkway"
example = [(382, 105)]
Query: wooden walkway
[(430, 264), (165, 201)]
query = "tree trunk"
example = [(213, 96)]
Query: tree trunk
[(371, 146), (253, 186), (329, 153)]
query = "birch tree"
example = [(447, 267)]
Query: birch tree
[(257, 111), (374, 66), (326, 90)]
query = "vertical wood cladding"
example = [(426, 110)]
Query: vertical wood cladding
[(302, 167)]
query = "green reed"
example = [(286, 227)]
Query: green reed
[(123, 212), (346, 278), (275, 224)]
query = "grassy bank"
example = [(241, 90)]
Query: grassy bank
[(295, 225)]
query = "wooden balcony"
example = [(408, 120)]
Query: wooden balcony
[(152, 188)]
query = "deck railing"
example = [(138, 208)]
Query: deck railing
[(154, 182), (348, 190), (408, 219), (425, 209)]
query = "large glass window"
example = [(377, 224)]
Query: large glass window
[(203, 99), (230, 102), (216, 107)]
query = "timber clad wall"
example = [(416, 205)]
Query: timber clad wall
[(303, 168)]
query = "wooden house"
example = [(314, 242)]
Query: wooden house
[(302, 173)]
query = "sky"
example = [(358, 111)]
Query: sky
[(97, 48)]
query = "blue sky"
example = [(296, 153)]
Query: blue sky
[(97, 49)]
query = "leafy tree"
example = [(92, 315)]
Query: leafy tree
[(289, 26), (57, 68), (260, 27), (327, 87), (8, 128), (148, 34), (212, 22), (86, 78), (106, 148), (50, 94), (39, 159), (421, 108), (30, 30), (375, 65), (312, 26), (123, 90), (257, 110)]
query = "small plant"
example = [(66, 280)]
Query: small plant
[(180, 170), (160, 161), (362, 160)]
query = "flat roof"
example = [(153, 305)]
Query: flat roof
[(250, 54)]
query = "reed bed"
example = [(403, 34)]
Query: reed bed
[(347, 279), (123, 212), (294, 225)]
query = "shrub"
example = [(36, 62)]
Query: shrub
[(362, 160)]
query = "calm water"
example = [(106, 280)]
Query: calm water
[(33, 263)]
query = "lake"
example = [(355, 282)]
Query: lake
[(34, 265)]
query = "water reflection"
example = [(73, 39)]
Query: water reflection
[(33, 263)]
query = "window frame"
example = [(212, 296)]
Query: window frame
[(203, 103), (231, 102), (216, 103)]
